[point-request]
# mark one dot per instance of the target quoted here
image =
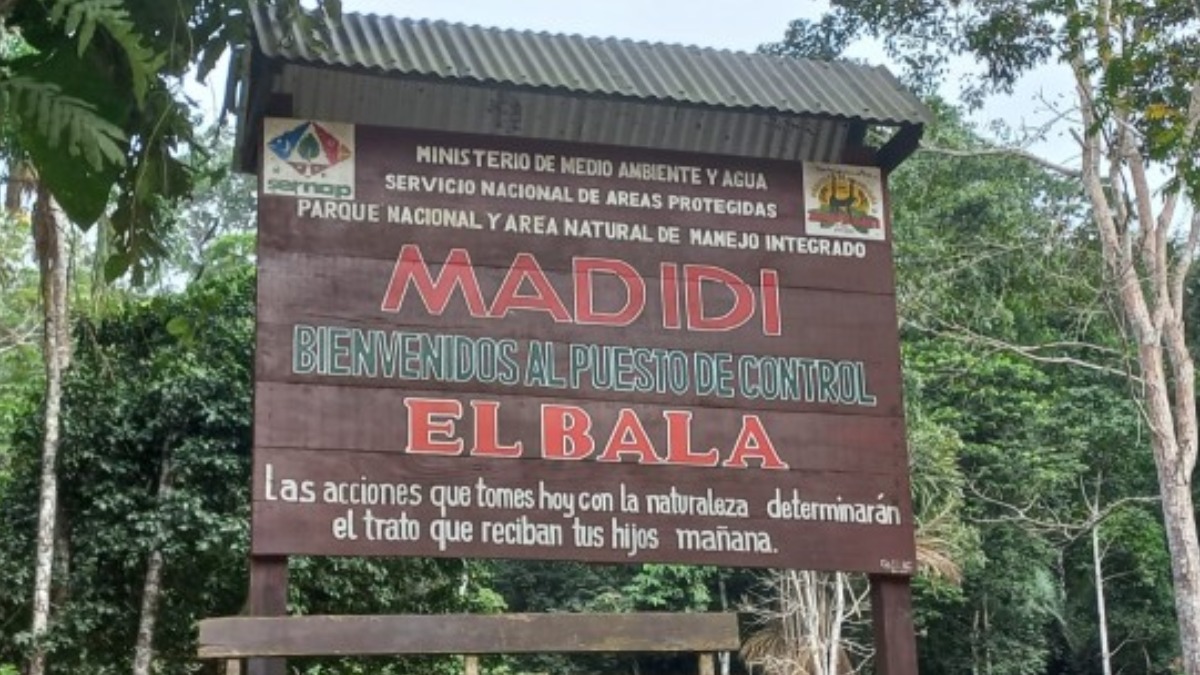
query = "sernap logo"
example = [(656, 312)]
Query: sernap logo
[(303, 158)]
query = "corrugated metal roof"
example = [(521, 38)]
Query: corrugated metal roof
[(600, 66), (493, 110)]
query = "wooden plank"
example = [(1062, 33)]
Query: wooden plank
[(899, 147), (891, 615), (386, 153), (426, 358), (388, 156), (268, 597), (233, 637), (300, 287), (268, 585), (377, 420), (808, 262), (377, 504)]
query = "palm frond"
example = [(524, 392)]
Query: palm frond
[(769, 648), (81, 18), (64, 121), (937, 554)]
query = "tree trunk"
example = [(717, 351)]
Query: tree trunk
[(1180, 517), (52, 268), (143, 649), (1101, 610), (987, 646), (838, 615), (723, 657), (1150, 288)]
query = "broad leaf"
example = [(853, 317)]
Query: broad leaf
[(76, 141)]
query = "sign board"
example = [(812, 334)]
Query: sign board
[(486, 347)]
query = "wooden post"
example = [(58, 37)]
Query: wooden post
[(470, 665), (891, 612), (268, 597), (706, 664)]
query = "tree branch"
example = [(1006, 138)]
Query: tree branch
[(1186, 255), (19, 336), (1069, 531), (1020, 153), (1032, 352)]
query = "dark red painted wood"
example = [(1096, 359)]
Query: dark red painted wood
[(333, 271), (561, 499), (268, 598), (892, 620)]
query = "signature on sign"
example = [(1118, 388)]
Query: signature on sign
[(896, 566)]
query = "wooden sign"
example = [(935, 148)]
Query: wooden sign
[(486, 347)]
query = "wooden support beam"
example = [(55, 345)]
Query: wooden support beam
[(891, 614), (856, 150), (904, 143), (268, 597), (240, 637)]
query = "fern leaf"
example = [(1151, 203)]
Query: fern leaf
[(75, 16), (80, 19), (85, 36), (58, 10), (66, 122)]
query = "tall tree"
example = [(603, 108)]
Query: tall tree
[(1135, 67), (992, 262), (92, 103), (162, 386)]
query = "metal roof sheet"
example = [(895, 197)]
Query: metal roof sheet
[(372, 99), (599, 66)]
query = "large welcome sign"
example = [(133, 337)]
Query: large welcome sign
[(485, 347)]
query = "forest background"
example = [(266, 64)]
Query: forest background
[(1043, 540)]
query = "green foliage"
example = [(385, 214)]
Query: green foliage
[(93, 108), (947, 544), (66, 122), (1002, 440), (1142, 56), (93, 98), (672, 587), (81, 18), (385, 586), (163, 385), (20, 324), (139, 403), (530, 586), (1137, 590), (212, 232)]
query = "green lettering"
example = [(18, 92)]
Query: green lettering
[(304, 349)]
